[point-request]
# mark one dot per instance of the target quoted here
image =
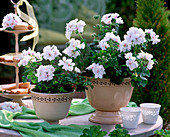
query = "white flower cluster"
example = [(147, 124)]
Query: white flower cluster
[(154, 37), (68, 65), (10, 20), (29, 55), (131, 62), (11, 106), (107, 18), (97, 69), (124, 46), (72, 49), (73, 26), (109, 36), (135, 36), (50, 52), (148, 57), (45, 73)]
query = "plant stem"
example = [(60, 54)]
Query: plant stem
[(80, 36)]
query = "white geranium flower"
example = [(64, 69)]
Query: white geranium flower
[(50, 52), (91, 66), (111, 36), (119, 20), (72, 49), (135, 36), (73, 43), (73, 26), (67, 64), (132, 63), (141, 55), (71, 53), (115, 15), (68, 34), (144, 55), (80, 26), (150, 64), (107, 18), (149, 31), (11, 106), (24, 61), (38, 55), (77, 70), (10, 20), (103, 45), (81, 46), (154, 37), (128, 55), (148, 56), (29, 56), (124, 46), (97, 69), (45, 73)]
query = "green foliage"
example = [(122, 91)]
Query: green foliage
[(96, 131), (163, 133), (153, 14), (8, 28), (119, 132)]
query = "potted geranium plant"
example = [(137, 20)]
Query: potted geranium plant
[(115, 65), (55, 77)]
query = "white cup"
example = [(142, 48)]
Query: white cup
[(130, 117), (150, 112)]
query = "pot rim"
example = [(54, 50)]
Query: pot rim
[(51, 94), (130, 109), (128, 78), (107, 79), (150, 105)]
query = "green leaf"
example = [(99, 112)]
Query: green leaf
[(145, 72), (8, 28), (143, 83), (94, 131), (96, 16), (117, 126), (164, 133), (119, 132), (24, 78), (131, 104)]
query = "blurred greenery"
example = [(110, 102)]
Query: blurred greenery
[(154, 14)]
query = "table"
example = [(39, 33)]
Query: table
[(143, 130)]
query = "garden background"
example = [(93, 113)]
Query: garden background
[(52, 16)]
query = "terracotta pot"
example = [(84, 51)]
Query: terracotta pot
[(51, 107), (107, 98)]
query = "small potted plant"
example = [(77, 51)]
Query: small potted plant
[(56, 78), (114, 65)]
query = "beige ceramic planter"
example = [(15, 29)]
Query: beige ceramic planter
[(107, 98), (51, 107)]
